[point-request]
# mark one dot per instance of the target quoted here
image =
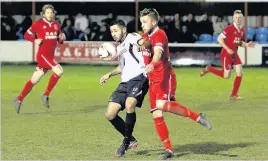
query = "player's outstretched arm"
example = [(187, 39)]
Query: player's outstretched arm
[(104, 78), (222, 43), (249, 44)]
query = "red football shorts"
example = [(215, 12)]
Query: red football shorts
[(227, 61), (45, 63), (163, 90)]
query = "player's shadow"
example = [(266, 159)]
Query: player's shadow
[(87, 109), (209, 148)]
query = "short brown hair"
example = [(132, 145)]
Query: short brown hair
[(45, 7), (151, 12), (238, 12)]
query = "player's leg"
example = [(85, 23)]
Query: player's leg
[(239, 73), (57, 73), (168, 104), (163, 133), (136, 90), (128, 126), (37, 75), (119, 124), (160, 124), (225, 72)]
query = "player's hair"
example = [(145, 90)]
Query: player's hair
[(150, 12), (118, 22), (45, 7), (238, 12)]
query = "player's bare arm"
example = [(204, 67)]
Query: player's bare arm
[(38, 42), (104, 78), (157, 56), (249, 44), (222, 43), (62, 38), (144, 44)]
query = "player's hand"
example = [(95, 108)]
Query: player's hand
[(149, 68), (62, 37), (251, 44), (38, 42), (230, 51), (105, 78)]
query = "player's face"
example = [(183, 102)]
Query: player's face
[(238, 17), (147, 23), (49, 14), (117, 32)]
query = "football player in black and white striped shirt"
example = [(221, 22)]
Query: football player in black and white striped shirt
[(133, 87)]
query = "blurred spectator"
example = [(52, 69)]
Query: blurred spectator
[(95, 34), (68, 17), (191, 25), (57, 19), (109, 19), (163, 23), (8, 32), (173, 32), (185, 36), (205, 25), (8, 20), (78, 32), (86, 36), (82, 21), (105, 34), (218, 26), (69, 30), (177, 21)]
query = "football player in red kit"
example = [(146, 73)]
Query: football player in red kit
[(48, 33), (230, 39), (162, 80)]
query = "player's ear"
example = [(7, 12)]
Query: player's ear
[(124, 29), (154, 22)]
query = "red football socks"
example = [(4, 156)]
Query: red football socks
[(178, 109), (51, 84), (162, 130), (27, 88), (236, 86), (218, 72)]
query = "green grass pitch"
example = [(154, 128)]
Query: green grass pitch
[(75, 127)]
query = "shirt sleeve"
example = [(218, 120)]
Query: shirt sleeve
[(159, 42), (29, 34), (226, 32), (135, 38)]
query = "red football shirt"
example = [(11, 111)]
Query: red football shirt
[(163, 68), (48, 32), (233, 36)]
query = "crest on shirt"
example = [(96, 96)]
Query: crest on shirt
[(44, 27), (55, 27)]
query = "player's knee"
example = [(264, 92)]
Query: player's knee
[(60, 73), (160, 104), (239, 74), (36, 77), (110, 115), (58, 70), (157, 113), (130, 104), (226, 75)]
